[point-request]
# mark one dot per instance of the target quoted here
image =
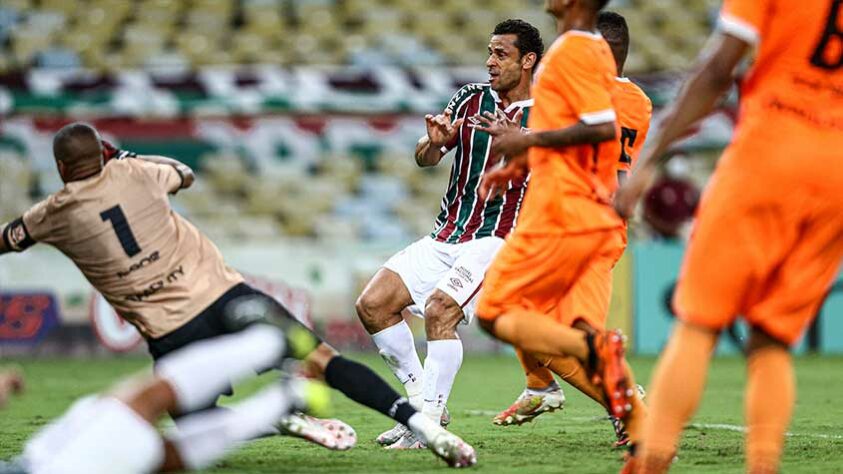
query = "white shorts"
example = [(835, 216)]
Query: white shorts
[(456, 269)]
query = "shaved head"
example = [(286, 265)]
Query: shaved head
[(77, 143), (78, 151)]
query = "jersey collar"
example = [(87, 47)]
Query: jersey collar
[(520, 104)]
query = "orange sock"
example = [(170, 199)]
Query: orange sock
[(538, 375), (770, 395), (572, 371), (675, 393), (536, 332)]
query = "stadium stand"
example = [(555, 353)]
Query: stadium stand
[(311, 134), (113, 34)]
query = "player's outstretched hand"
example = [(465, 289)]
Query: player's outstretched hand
[(630, 192), (440, 129), (510, 140), (109, 151), (11, 382), (496, 182)]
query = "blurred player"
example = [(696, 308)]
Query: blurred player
[(567, 226), (440, 275), (115, 432), (769, 235), (593, 293), (11, 382), (114, 221)]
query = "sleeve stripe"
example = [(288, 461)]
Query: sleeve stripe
[(739, 28), (596, 118)]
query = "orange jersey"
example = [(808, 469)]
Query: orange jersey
[(568, 189), (797, 73), (634, 110)]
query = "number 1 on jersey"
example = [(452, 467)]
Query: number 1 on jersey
[(122, 229)]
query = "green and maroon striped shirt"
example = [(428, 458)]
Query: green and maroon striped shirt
[(464, 216)]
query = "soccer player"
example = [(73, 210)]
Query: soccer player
[(592, 295), (768, 239), (440, 275), (11, 382), (114, 221), (115, 432), (567, 225)]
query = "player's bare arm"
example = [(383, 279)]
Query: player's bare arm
[(512, 141), (710, 79), (440, 130)]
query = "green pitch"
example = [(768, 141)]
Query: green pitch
[(575, 440)]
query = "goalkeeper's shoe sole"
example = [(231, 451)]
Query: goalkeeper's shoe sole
[(329, 433)]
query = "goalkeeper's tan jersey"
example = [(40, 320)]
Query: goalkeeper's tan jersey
[(152, 265)]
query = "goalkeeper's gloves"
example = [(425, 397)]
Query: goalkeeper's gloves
[(111, 152)]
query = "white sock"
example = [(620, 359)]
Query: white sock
[(205, 437), (443, 361), (201, 371), (398, 349), (541, 391)]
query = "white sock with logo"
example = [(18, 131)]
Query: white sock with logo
[(397, 347), (443, 361)]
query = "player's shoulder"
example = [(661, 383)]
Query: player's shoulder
[(579, 44), (633, 92), (580, 50), (466, 92)]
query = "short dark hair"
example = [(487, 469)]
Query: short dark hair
[(601, 4), (76, 141), (528, 39), (614, 29)]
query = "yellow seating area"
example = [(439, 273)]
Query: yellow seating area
[(110, 34)]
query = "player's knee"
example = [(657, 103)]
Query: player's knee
[(442, 315), (368, 307)]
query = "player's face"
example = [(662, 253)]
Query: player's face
[(504, 63)]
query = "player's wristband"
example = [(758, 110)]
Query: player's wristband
[(16, 236)]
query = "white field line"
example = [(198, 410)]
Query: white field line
[(698, 426)]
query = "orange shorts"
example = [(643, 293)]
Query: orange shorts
[(768, 240), (567, 277)]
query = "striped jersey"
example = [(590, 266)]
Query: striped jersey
[(463, 215)]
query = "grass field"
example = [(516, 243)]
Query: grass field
[(574, 440)]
